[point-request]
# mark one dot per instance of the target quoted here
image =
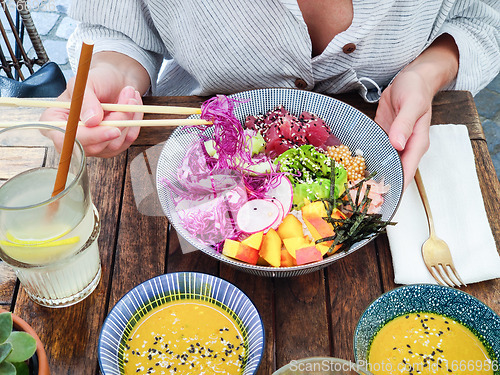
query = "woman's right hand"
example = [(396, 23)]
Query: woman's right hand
[(109, 81)]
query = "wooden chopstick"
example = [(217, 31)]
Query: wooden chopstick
[(20, 102), (117, 123)]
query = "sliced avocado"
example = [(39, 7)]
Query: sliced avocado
[(340, 180), (258, 168), (258, 144), (314, 160), (319, 189)]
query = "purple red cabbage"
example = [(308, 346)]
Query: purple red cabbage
[(228, 133), (211, 190)]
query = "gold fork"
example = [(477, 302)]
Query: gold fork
[(435, 251)]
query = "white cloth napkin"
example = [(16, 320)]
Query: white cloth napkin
[(449, 175)]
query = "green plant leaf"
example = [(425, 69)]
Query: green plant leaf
[(5, 326), (22, 368), (7, 368), (23, 346), (5, 350)]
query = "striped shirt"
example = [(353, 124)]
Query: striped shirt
[(204, 47)]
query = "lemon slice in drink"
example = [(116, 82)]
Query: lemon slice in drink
[(49, 242)]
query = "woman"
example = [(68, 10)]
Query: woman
[(411, 48)]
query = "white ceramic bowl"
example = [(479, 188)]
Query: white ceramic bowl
[(352, 127)]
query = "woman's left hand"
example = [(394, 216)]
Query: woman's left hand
[(405, 107), (404, 112)]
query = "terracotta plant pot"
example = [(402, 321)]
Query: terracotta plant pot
[(43, 362)]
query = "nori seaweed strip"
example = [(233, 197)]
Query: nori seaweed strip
[(359, 225)]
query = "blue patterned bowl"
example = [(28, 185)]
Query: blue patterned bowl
[(442, 300), (177, 286), (352, 127)]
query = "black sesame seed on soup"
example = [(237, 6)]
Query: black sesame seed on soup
[(428, 343), (185, 337)]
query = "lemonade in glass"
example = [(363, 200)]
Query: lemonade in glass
[(50, 242)]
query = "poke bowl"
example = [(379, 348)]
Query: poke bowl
[(349, 127), (428, 329), (184, 322)]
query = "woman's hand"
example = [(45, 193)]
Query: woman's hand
[(113, 78), (405, 107), (404, 112)]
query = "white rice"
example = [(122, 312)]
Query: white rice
[(298, 215)]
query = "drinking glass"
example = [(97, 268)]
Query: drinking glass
[(50, 242)]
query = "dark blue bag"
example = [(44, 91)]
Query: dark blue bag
[(46, 82)]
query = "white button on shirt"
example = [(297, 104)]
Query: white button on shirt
[(210, 46)]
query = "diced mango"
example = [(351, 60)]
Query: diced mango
[(240, 251), (286, 259), (294, 243), (290, 227), (307, 254), (231, 248), (323, 247), (254, 240), (270, 249), (313, 215)]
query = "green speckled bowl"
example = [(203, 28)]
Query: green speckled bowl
[(442, 300)]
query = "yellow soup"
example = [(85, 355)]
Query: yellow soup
[(427, 343), (185, 337)]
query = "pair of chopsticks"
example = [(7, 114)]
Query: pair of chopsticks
[(75, 108), (18, 102)]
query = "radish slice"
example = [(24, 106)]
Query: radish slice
[(281, 215), (257, 215), (283, 192)]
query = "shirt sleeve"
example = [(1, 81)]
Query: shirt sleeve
[(123, 26), (475, 26)]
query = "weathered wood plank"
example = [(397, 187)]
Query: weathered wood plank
[(385, 260), (488, 291), (301, 318), (70, 335), (182, 260), (312, 315), (457, 107), (24, 114), (7, 284), (490, 186), (143, 177), (353, 282), (261, 291), (142, 243), (14, 160)]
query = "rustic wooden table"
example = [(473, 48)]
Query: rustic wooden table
[(310, 315)]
